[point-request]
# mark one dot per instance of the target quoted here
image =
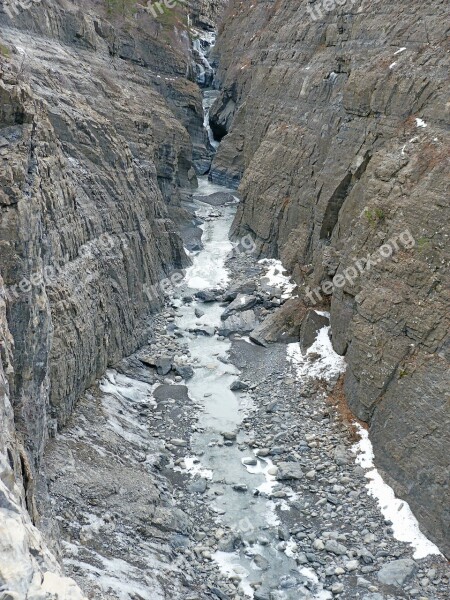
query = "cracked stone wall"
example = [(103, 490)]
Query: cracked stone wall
[(101, 126), (335, 131)]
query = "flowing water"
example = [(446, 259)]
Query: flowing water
[(240, 481)]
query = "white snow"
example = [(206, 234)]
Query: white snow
[(404, 523), (230, 566), (275, 276), (117, 576), (320, 593), (392, 65), (264, 464), (420, 123), (399, 50), (193, 467), (329, 364)]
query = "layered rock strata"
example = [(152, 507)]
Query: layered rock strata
[(334, 126), (101, 126)]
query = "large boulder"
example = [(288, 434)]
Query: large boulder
[(241, 303), (397, 572), (246, 287), (312, 323), (217, 199), (243, 322), (283, 325)]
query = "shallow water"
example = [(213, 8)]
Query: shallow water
[(222, 410)]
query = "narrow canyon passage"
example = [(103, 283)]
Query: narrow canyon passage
[(185, 412), (264, 492)]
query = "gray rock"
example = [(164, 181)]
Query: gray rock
[(217, 199), (289, 470), (397, 572), (163, 365), (247, 287), (243, 322), (311, 325), (198, 486), (335, 547), (282, 325), (261, 562), (184, 371), (238, 385), (242, 303), (205, 296), (171, 392)]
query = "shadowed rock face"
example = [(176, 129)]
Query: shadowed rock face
[(322, 130), (94, 150), (98, 121)]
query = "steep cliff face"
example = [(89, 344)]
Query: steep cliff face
[(335, 129), (27, 568), (96, 119), (93, 157)]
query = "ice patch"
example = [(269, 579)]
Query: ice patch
[(193, 467), (264, 464), (229, 565), (404, 523), (420, 123), (118, 577), (275, 277), (327, 366), (320, 593), (399, 50)]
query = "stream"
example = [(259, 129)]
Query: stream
[(240, 480)]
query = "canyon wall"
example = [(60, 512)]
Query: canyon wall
[(101, 126), (334, 127)]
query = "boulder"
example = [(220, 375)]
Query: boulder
[(172, 392), (162, 364), (241, 303), (289, 470), (238, 385), (311, 325), (243, 322), (184, 371), (397, 572), (247, 287), (283, 325), (217, 199), (205, 296)]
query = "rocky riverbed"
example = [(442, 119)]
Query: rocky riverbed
[(233, 474)]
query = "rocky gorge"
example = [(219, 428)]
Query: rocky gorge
[(174, 418)]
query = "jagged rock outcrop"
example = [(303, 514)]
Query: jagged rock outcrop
[(27, 568), (336, 131)]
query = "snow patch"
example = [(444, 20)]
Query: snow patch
[(193, 467), (327, 365), (420, 123), (275, 276), (229, 565), (404, 523)]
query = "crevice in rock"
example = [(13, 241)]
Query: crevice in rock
[(338, 198)]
